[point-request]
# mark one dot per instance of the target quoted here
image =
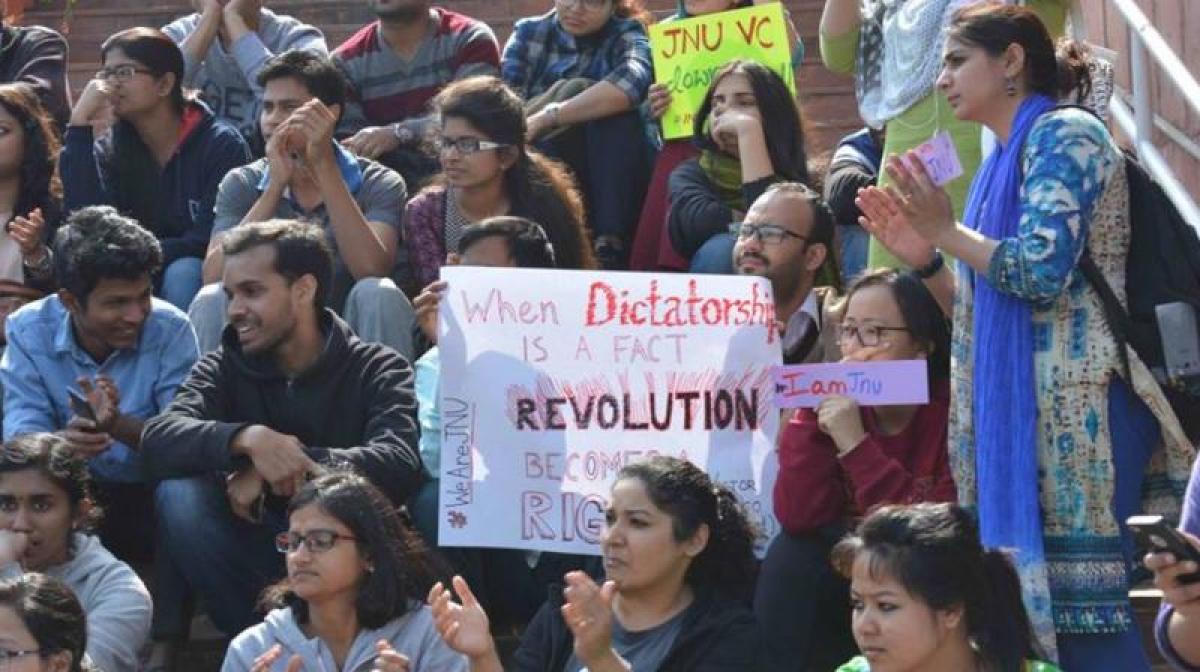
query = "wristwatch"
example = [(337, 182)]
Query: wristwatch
[(403, 133), (553, 110), (929, 270)]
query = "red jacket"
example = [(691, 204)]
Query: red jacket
[(815, 487)]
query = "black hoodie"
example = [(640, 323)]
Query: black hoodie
[(355, 404), (718, 634), (37, 56)]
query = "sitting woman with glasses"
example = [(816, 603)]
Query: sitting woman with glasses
[(46, 516), (352, 599), (736, 162), (585, 68), (839, 460), (162, 161), (489, 170), (43, 627)]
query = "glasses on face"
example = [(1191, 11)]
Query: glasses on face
[(467, 145), (121, 73), (868, 335), (316, 541), (7, 656), (768, 234), (586, 4)]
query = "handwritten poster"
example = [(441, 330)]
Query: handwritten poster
[(687, 53), (883, 383), (552, 381)]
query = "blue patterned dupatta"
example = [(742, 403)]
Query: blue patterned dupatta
[(1005, 404)]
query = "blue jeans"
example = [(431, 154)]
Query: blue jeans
[(855, 244), (225, 560), (714, 256), (180, 282)]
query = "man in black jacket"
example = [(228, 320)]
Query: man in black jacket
[(290, 391), (37, 56)]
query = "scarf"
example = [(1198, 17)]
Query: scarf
[(1005, 405), (725, 174), (899, 54)]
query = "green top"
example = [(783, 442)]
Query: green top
[(860, 664), (919, 122)]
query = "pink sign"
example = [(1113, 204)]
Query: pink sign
[(887, 383), (940, 158)]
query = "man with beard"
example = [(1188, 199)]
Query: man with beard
[(306, 175), (290, 391), (225, 43), (787, 237), (396, 65)]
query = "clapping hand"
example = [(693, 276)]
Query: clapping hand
[(588, 613), (464, 627)]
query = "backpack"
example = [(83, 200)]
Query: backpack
[(1162, 266)]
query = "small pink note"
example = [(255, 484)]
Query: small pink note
[(886, 383), (940, 158)]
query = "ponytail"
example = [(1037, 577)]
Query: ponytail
[(1004, 635), (1072, 59)]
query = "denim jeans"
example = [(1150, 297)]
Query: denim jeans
[(181, 280), (226, 561), (714, 256)]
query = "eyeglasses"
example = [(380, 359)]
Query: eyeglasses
[(587, 4), (467, 145), (868, 335), (769, 234), (316, 541), (7, 655), (121, 73)]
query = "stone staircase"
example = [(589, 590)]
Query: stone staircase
[(828, 99)]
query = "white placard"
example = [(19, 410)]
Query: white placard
[(551, 381)]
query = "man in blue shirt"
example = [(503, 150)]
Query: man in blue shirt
[(104, 336)]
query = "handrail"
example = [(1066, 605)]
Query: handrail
[(1138, 123)]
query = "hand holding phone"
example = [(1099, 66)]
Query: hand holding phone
[(80, 406), (1154, 534)]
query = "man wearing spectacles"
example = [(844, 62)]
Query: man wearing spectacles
[(291, 389), (787, 237), (306, 175), (225, 44), (396, 65)]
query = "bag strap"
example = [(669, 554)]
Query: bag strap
[(1114, 313)]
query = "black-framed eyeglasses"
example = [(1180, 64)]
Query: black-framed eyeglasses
[(587, 4), (868, 335), (316, 541), (121, 73), (7, 655), (768, 234), (467, 145)]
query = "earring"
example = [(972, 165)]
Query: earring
[(1010, 86)]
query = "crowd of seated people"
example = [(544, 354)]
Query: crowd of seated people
[(219, 298)]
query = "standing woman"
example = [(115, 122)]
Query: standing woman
[(488, 170), (585, 68), (30, 197), (736, 163), (1047, 438), (163, 159)]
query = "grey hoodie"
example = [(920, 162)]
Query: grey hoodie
[(115, 600), (227, 79), (412, 635)]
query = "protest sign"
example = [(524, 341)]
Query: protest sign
[(686, 54), (884, 383), (551, 381)]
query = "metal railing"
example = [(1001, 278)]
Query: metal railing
[(1138, 122)]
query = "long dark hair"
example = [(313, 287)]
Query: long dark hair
[(136, 170), (538, 188), (923, 317), (1049, 71), (40, 185), (687, 494), (934, 551), (403, 568), (51, 613), (781, 117)]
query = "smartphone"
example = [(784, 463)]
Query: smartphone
[(80, 405), (1157, 536)]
